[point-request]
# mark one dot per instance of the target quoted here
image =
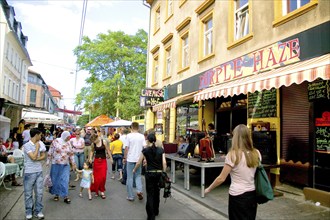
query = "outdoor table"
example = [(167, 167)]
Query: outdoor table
[(11, 168), (218, 162), (20, 162)]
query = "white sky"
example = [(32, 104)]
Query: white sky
[(53, 29)]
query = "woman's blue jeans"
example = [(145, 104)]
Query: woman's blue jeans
[(79, 158), (33, 182)]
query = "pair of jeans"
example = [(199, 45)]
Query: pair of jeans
[(33, 182), (153, 193), (79, 158), (129, 182), (117, 160)]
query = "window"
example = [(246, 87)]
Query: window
[(169, 9), (8, 88), (4, 84), (33, 96), (208, 37), (291, 5), (286, 10), (17, 92), (13, 90), (241, 18), (185, 51), (157, 19), (31, 79), (155, 70), (240, 24), (168, 62)]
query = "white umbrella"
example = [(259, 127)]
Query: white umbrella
[(119, 123)]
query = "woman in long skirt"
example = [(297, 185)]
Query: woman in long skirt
[(99, 152), (60, 155)]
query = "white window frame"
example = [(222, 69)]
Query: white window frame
[(4, 84), (168, 63), (185, 51), (30, 101), (155, 69), (7, 51), (285, 6), (8, 88), (13, 90), (208, 38), (157, 19), (240, 14), (169, 8)]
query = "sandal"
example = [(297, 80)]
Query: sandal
[(56, 198), (103, 196), (16, 184), (80, 195), (90, 197), (67, 200)]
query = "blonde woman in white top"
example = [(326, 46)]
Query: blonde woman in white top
[(78, 146), (241, 162)]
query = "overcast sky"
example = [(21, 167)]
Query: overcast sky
[(53, 29)]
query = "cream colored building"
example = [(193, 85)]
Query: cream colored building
[(14, 63), (215, 59)]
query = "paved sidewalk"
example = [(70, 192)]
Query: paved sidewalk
[(291, 205)]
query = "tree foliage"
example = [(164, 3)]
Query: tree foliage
[(113, 59)]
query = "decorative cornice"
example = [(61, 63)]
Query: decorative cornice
[(167, 38), (204, 6), (183, 24), (154, 50)]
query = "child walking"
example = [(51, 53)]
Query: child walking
[(87, 179)]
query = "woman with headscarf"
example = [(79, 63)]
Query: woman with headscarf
[(60, 155), (155, 157)]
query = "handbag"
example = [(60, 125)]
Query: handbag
[(264, 191)]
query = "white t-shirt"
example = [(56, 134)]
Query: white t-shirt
[(123, 139), (242, 177), (26, 135), (135, 143)]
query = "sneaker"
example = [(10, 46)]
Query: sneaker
[(40, 215), (28, 217)]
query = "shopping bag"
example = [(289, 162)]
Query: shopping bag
[(264, 190), (48, 181)]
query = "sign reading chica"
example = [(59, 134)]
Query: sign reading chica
[(278, 54)]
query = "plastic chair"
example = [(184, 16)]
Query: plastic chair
[(18, 153)]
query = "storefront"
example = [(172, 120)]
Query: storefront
[(270, 90)]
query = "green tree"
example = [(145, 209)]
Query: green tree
[(113, 59)]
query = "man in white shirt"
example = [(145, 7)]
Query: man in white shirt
[(26, 133), (135, 142), (34, 154)]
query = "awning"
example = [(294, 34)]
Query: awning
[(68, 111), (35, 116), (171, 103), (308, 70)]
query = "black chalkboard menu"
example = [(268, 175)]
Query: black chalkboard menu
[(262, 104), (322, 136), (319, 89)]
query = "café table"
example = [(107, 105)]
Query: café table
[(10, 168)]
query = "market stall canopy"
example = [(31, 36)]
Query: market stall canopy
[(119, 123), (99, 121), (39, 116)]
